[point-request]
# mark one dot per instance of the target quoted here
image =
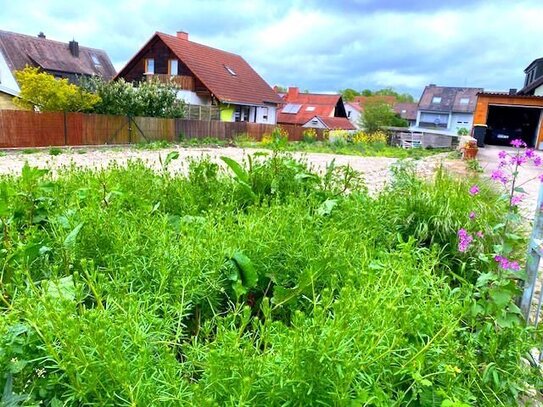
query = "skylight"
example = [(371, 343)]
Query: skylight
[(95, 59), (310, 108), (464, 101), (436, 99), (291, 108), (230, 70)]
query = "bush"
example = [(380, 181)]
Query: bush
[(310, 136)]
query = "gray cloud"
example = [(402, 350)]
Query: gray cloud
[(317, 45)]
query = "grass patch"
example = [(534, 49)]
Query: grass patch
[(358, 149), (263, 285)]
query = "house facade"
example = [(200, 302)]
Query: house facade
[(62, 60), (205, 76), (533, 82), (354, 113), (313, 110), (446, 109)]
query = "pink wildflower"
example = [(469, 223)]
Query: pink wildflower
[(541, 177), (529, 153), (474, 190), (514, 266), (516, 199), (464, 240), (537, 161), (502, 154), (480, 234), (518, 143), (472, 215), (503, 262)]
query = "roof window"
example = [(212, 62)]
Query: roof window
[(291, 108), (310, 108), (95, 59), (464, 101), (436, 99), (230, 70)]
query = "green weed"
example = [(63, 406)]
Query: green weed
[(256, 283)]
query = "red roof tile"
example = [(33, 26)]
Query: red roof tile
[(337, 123), (363, 100), (21, 50), (406, 111), (311, 105), (210, 65)]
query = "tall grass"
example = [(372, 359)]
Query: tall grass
[(267, 285)]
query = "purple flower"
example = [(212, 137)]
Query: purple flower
[(502, 154), (518, 159), (516, 199), (502, 164), (537, 161), (479, 234), (514, 266), (503, 262), (499, 175), (474, 190), (529, 153), (464, 240), (518, 143), (472, 215), (541, 177)]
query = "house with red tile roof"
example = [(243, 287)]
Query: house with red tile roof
[(354, 113), (206, 76), (318, 110), (60, 59)]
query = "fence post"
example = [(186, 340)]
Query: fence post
[(129, 129), (535, 251)]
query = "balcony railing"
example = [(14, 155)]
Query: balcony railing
[(182, 81)]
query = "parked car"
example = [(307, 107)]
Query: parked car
[(502, 136)]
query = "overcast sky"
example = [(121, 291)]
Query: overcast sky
[(316, 45)]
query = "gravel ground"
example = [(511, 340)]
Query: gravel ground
[(375, 169)]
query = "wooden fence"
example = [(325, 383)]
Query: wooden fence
[(33, 129)]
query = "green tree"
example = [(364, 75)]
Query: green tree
[(349, 94), (400, 97), (377, 114), (43, 91), (150, 98)]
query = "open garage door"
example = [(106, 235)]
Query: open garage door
[(507, 123)]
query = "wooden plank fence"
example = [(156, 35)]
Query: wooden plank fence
[(34, 129)]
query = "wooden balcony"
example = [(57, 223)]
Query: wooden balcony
[(182, 81)]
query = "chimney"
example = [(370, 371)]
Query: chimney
[(512, 91), (293, 92), (431, 85), (182, 35), (41, 35), (74, 48)]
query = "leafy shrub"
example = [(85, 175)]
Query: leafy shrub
[(310, 135), (370, 138)]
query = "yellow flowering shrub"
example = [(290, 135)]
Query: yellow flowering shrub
[(370, 138)]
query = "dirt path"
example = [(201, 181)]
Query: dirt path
[(375, 169)]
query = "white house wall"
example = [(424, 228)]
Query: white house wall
[(538, 91), (192, 98), (6, 77), (262, 112)]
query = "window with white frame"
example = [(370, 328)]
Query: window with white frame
[(436, 99), (173, 66), (149, 66)]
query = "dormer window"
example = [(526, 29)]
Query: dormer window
[(436, 99), (230, 70), (149, 66)]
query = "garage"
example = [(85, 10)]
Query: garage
[(507, 123), (508, 117)]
